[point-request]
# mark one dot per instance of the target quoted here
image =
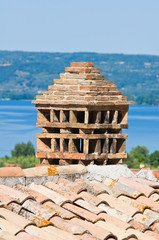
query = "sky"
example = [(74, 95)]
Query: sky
[(104, 26)]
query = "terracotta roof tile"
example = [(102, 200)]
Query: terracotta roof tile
[(96, 231), (140, 235), (27, 236), (92, 199), (9, 226), (80, 210), (139, 226), (152, 234), (8, 194), (11, 172), (115, 213), (41, 233), (148, 191), (119, 188), (145, 220), (134, 203), (83, 213), (54, 196), (91, 188), (117, 222), (36, 195), (5, 235), (154, 197), (118, 204), (15, 207), (87, 236), (61, 190), (117, 231), (60, 211), (38, 209), (14, 218), (71, 186), (66, 225), (149, 202), (60, 233), (147, 182)]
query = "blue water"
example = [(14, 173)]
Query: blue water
[(18, 124)]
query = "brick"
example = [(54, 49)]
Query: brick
[(74, 156), (54, 155), (88, 88), (58, 81), (77, 70), (77, 98), (82, 64), (70, 81), (82, 70), (41, 155), (65, 88)]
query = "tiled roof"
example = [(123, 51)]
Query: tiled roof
[(59, 205)]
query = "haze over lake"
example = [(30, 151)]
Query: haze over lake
[(18, 124)]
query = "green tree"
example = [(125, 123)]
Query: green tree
[(154, 159), (23, 149), (131, 162), (141, 150)]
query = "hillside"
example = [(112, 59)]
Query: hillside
[(24, 74)]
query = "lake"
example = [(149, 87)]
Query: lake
[(18, 124)]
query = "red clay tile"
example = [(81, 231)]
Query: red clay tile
[(87, 236), (152, 234), (61, 190), (67, 226), (155, 197), (155, 227), (38, 209), (116, 231), (147, 182), (118, 204), (118, 189), (91, 199), (27, 236), (63, 235), (138, 225), (71, 186), (54, 196), (9, 226), (91, 188), (60, 211), (41, 233), (13, 194), (145, 220), (26, 190), (96, 231), (149, 202), (88, 206), (115, 213), (148, 191), (116, 221), (14, 218), (14, 207), (134, 203), (81, 212), (11, 172)]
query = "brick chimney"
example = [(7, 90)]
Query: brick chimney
[(82, 117)]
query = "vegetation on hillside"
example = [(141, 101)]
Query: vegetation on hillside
[(139, 157), (23, 155), (24, 74)]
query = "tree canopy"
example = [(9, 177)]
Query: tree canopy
[(23, 149)]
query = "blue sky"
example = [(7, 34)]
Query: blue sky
[(105, 26)]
